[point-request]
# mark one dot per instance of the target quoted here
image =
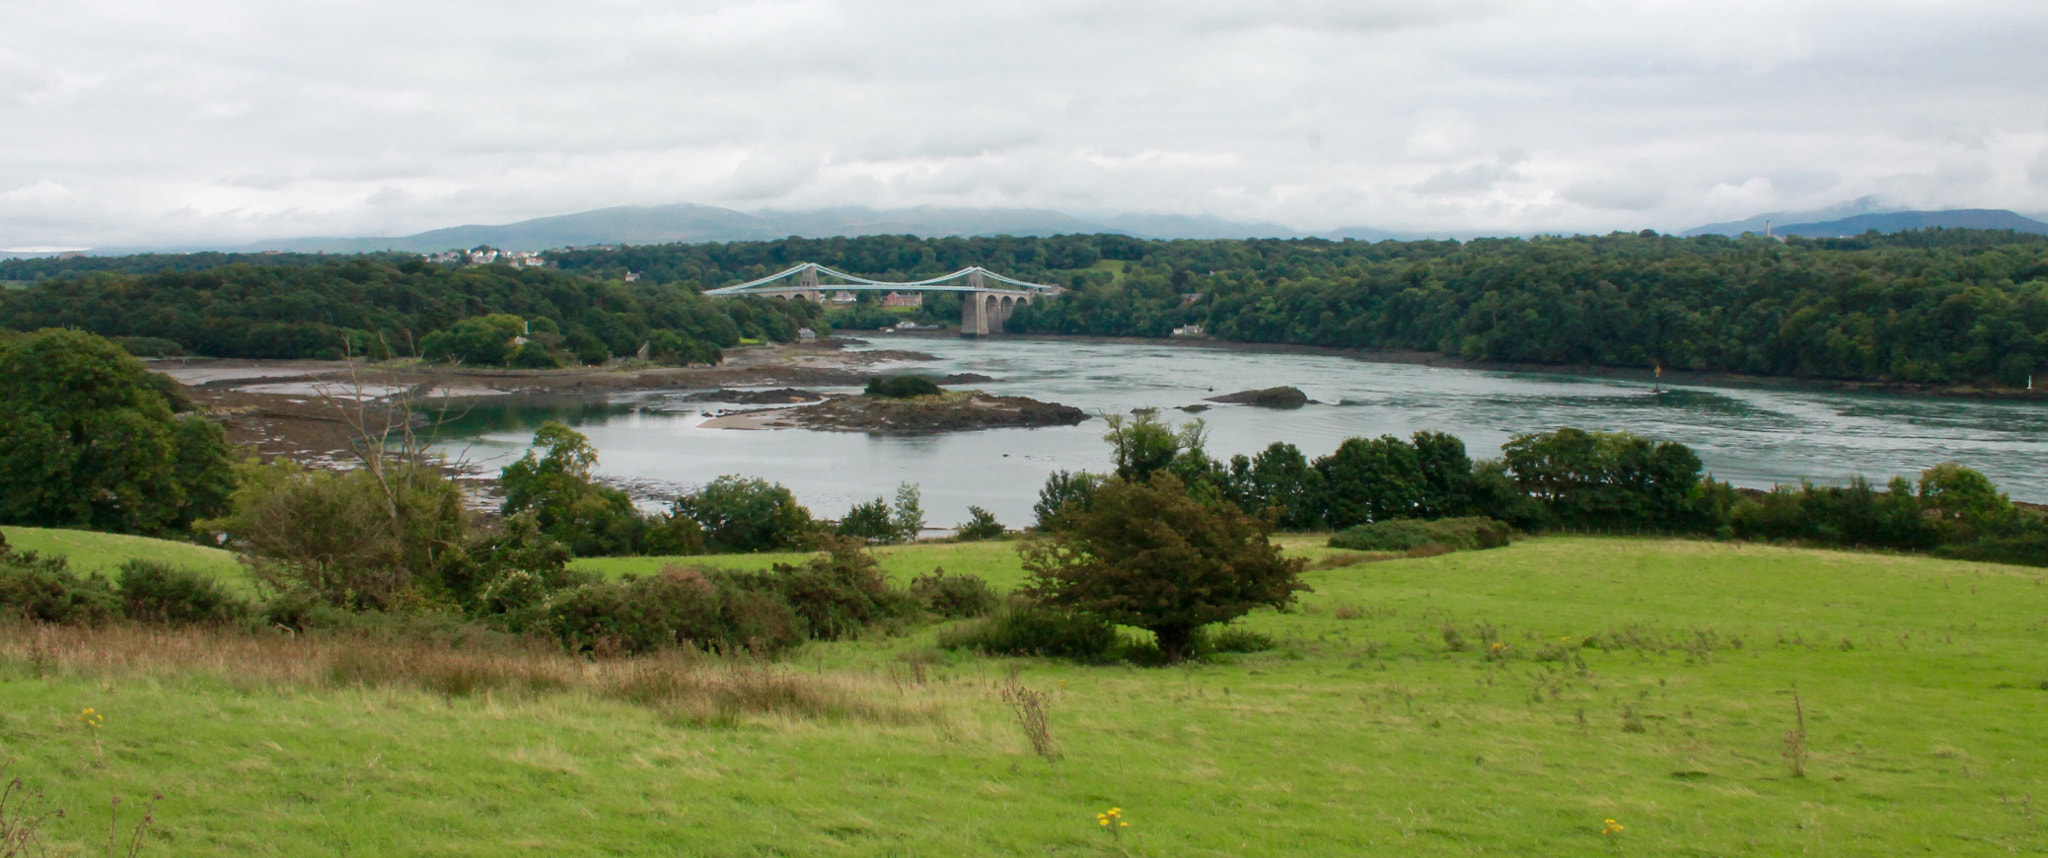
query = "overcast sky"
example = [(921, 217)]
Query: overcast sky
[(129, 121)]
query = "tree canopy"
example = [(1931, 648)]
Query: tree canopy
[(367, 306), (88, 440), (1149, 555)]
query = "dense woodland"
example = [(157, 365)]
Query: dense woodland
[(1929, 306), (384, 309)]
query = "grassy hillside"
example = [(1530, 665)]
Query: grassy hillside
[(1650, 682), (101, 552)]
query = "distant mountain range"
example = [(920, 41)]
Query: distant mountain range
[(687, 222), (1856, 218)]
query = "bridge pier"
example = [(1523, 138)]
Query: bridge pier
[(983, 313)]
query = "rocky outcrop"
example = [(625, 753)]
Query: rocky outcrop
[(964, 411), (780, 396), (1271, 397)]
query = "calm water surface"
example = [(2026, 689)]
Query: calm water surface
[(1748, 436)]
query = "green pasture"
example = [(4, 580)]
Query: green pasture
[(89, 551), (1646, 681)]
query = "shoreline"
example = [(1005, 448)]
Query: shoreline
[(291, 408), (1702, 378)]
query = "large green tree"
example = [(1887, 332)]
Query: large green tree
[(1149, 555), (88, 440)]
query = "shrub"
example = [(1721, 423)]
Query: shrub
[(871, 520), (160, 593), (360, 539), (878, 521), (840, 592), (981, 524), (901, 386), (150, 347), (1233, 639), (671, 608), (953, 596), (1455, 534), (748, 514), (533, 355), (554, 482), (758, 620), (1022, 626), (43, 589), (511, 572)]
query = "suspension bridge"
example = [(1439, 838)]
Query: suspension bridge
[(986, 300)]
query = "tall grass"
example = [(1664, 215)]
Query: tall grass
[(681, 683)]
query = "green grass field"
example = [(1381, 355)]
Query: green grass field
[(89, 551), (1366, 733)]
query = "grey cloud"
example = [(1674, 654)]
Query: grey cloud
[(1465, 180), (238, 119)]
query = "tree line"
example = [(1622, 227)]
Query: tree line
[(380, 308), (1936, 306), (1566, 479), (1944, 306)]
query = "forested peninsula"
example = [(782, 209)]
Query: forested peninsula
[(1937, 306)]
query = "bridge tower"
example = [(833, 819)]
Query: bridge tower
[(808, 282)]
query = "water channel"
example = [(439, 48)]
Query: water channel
[(1749, 436)]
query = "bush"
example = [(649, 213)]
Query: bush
[(43, 589), (832, 596), (981, 524), (150, 347), (1455, 534), (354, 539), (159, 593), (1022, 626), (511, 572), (901, 386), (533, 355), (748, 514), (877, 521), (671, 608), (1233, 639), (871, 521), (840, 592), (953, 596)]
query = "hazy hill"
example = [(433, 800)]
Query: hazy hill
[(1860, 206), (1899, 221), (688, 222), (1859, 216)]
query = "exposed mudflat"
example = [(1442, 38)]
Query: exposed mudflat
[(312, 411)]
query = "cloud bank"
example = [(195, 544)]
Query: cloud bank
[(234, 120)]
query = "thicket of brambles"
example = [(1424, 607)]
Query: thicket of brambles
[(378, 307)]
